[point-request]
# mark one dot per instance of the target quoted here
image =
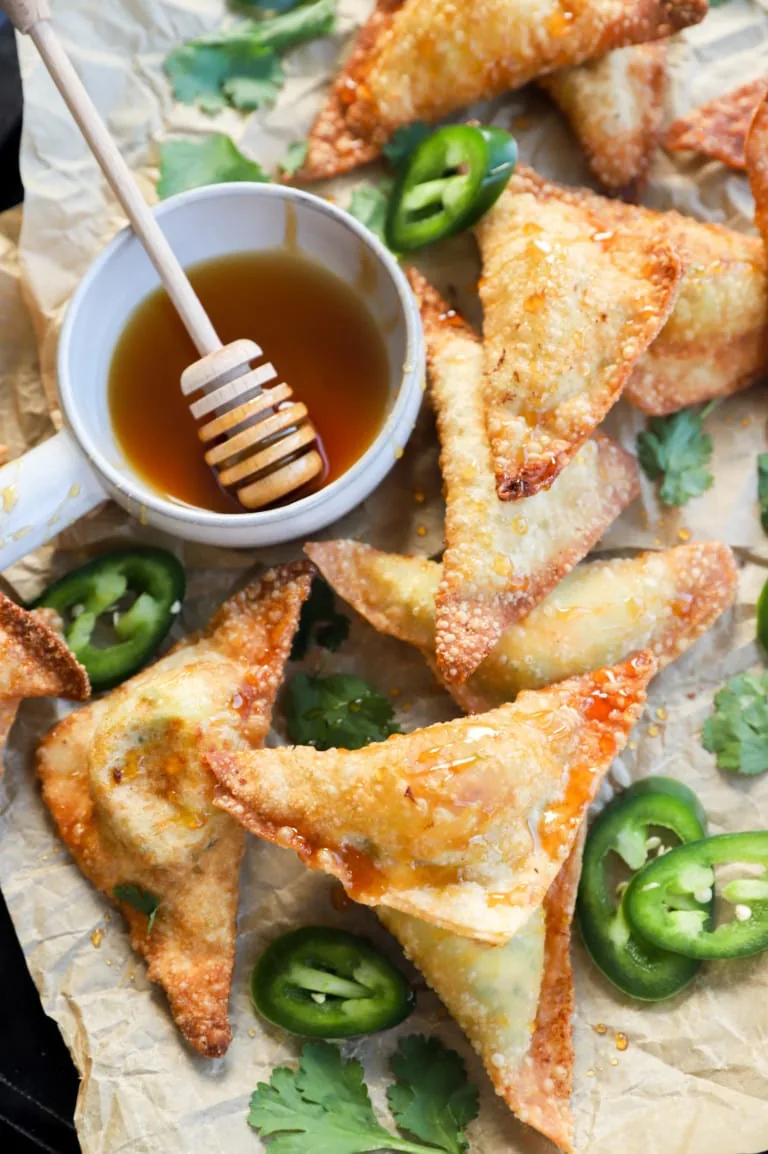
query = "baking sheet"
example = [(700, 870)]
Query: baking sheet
[(695, 1073)]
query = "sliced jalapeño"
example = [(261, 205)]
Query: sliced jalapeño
[(320, 982), (450, 180), (625, 828)]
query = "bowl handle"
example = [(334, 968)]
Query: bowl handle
[(41, 493)]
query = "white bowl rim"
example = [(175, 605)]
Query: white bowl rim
[(411, 372)]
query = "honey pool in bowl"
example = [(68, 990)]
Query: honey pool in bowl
[(314, 327)]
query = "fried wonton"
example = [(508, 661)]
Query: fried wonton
[(718, 129), (34, 662), (757, 165), (598, 615), (715, 341), (568, 309), (423, 59), (463, 824), (132, 799), (502, 558), (514, 1001), (615, 105)]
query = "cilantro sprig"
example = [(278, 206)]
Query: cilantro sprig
[(240, 64), (295, 156), (676, 451), (214, 75), (337, 711), (431, 1097), (320, 621), (324, 1106), (141, 900), (369, 205), (190, 162), (737, 731)]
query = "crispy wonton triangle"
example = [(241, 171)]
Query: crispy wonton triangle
[(34, 662), (615, 105), (501, 558), (132, 799), (715, 341), (514, 1001), (568, 309), (423, 59), (757, 166), (718, 129), (598, 615), (463, 824)]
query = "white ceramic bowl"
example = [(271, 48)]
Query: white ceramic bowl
[(65, 479)]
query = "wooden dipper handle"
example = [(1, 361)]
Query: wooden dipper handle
[(32, 17)]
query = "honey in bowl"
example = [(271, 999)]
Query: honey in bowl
[(314, 328)]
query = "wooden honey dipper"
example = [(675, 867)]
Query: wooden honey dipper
[(264, 444)]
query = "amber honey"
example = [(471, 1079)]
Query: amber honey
[(316, 330)]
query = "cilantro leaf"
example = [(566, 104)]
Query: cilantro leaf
[(295, 156), (737, 731), (677, 451), (324, 1107), (287, 29), (403, 142), (141, 900), (319, 614), (196, 74), (337, 711), (195, 161), (239, 64), (259, 88), (212, 74), (762, 489), (325, 1101), (432, 1098), (369, 205)]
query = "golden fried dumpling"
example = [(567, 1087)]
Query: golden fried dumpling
[(423, 59), (615, 105), (464, 824), (34, 662), (133, 800), (715, 341), (598, 615), (718, 129), (569, 307), (514, 1001), (501, 558)]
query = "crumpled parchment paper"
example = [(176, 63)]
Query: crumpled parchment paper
[(694, 1076)]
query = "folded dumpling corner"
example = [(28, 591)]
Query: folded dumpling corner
[(133, 800)]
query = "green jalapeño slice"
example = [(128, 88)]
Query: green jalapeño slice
[(154, 583), (624, 828), (450, 180), (668, 902), (320, 982)]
